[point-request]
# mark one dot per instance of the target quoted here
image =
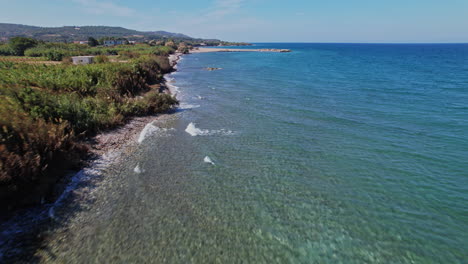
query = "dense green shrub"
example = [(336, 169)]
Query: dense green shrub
[(159, 102), (92, 42), (150, 69), (129, 82), (101, 59), (32, 151), (56, 55), (127, 55), (20, 44), (163, 50), (163, 63), (6, 50)]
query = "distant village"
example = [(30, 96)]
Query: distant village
[(123, 41), (110, 42)]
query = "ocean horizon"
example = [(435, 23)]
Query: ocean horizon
[(333, 153)]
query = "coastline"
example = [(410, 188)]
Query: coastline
[(118, 138), (22, 229)]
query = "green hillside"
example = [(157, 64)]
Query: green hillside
[(77, 33)]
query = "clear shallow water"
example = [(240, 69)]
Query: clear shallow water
[(334, 153)]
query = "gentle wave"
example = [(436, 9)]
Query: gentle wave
[(138, 170), (208, 160), (188, 106), (170, 84), (195, 131), (151, 129)]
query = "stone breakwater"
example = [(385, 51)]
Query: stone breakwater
[(204, 50)]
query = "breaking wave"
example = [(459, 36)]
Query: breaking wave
[(208, 160), (151, 129), (195, 131), (183, 106), (138, 170)]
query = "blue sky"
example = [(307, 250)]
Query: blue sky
[(259, 20)]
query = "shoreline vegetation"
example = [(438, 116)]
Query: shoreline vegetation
[(54, 115), (50, 113)]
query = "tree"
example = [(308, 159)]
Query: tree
[(171, 44), (20, 44), (92, 42)]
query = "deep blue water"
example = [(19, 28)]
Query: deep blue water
[(333, 153), (359, 150)]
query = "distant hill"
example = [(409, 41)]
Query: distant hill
[(77, 33)]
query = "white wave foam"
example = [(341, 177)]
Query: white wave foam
[(195, 131), (149, 130), (184, 106), (138, 170), (173, 89), (88, 174), (200, 97), (170, 84), (208, 160)]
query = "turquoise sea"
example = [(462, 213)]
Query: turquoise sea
[(333, 153)]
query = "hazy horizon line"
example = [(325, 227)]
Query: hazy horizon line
[(336, 42)]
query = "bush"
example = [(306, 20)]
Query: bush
[(6, 50), (129, 82), (56, 55), (163, 63), (150, 69), (127, 55), (67, 60), (31, 151), (101, 59), (163, 51), (92, 42), (153, 102), (20, 44), (158, 102)]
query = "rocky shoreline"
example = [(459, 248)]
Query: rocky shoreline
[(119, 137)]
